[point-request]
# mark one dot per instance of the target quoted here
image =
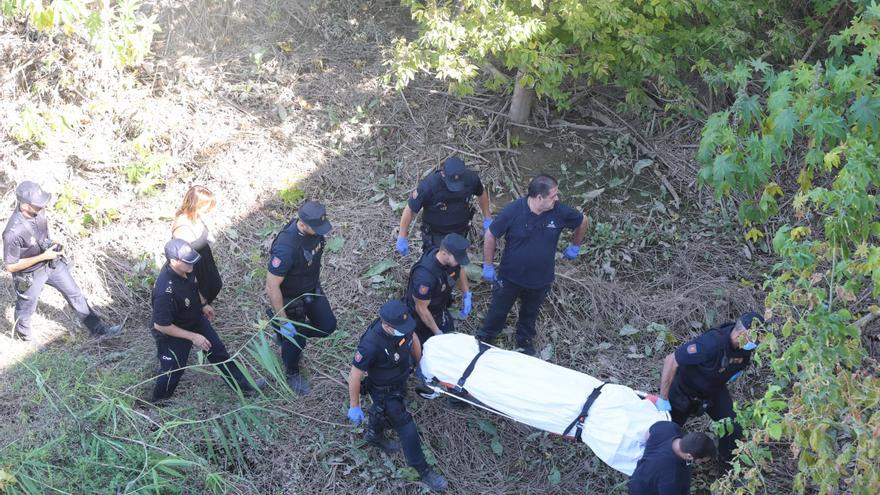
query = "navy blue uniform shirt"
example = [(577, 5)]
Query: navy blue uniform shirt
[(445, 211), (708, 361), (22, 237), (529, 257), (296, 257), (660, 471), (431, 280), (176, 300), (387, 359)]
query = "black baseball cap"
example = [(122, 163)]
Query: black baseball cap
[(396, 314), (178, 249), (747, 319), (457, 246), (453, 173), (31, 193), (313, 214)]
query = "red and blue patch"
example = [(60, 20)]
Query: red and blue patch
[(358, 356), (423, 290), (276, 261), (692, 349)]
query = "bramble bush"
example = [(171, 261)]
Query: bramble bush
[(819, 122)]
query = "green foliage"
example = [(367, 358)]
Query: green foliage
[(83, 211), (602, 41), (292, 195), (147, 172), (823, 120), (35, 125), (118, 30)]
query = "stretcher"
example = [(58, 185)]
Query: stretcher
[(613, 420)]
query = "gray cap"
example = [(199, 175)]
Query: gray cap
[(32, 194), (178, 249)]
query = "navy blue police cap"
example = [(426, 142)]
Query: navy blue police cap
[(396, 314), (313, 214), (31, 193), (453, 173), (456, 245), (746, 319), (178, 249)]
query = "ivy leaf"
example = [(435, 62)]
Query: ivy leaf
[(724, 167), (822, 121), (775, 431), (865, 112), (335, 244), (783, 125), (380, 268), (555, 477)]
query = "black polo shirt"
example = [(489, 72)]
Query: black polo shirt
[(445, 211), (22, 237), (387, 359), (530, 241), (660, 471), (296, 257), (707, 362), (432, 281), (176, 300)]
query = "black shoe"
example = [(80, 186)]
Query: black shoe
[(434, 481), (527, 349), (456, 404), (381, 442), (426, 392), (299, 384), (105, 331), (248, 390)]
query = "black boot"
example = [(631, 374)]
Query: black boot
[(380, 441)]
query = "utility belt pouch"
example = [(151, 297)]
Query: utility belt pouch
[(22, 282)]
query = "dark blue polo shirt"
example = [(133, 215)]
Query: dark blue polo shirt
[(445, 210), (176, 300), (387, 359), (530, 241), (22, 237), (707, 362), (660, 471), (432, 281), (296, 257)]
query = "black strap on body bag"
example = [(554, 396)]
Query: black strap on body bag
[(578, 423), (459, 386)]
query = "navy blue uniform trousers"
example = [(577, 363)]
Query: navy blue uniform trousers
[(173, 353), (313, 311), (59, 278), (389, 409), (504, 294)]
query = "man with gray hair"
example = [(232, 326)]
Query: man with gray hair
[(34, 261)]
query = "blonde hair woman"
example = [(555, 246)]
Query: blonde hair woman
[(190, 226)]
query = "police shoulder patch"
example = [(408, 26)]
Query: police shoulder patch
[(415, 194), (358, 356), (423, 290), (276, 261), (692, 349)]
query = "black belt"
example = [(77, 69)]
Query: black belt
[(578, 423)]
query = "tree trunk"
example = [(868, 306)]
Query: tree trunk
[(521, 102)]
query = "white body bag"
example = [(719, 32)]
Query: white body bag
[(543, 395)]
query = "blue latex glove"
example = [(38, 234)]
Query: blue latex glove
[(663, 405), (356, 415), (402, 246), (288, 330), (735, 376), (571, 252), (489, 273), (486, 223), (468, 304)]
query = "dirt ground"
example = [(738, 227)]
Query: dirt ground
[(255, 98)]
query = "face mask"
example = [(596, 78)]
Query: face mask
[(749, 346), (398, 334)]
